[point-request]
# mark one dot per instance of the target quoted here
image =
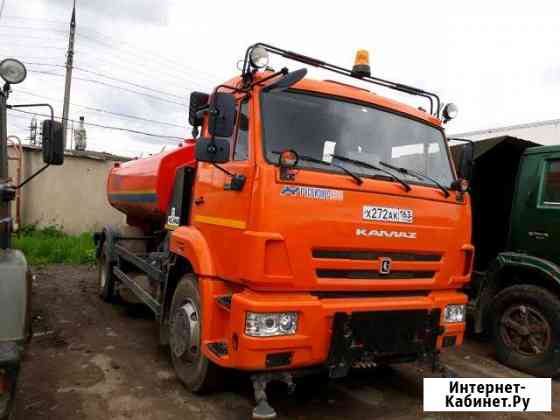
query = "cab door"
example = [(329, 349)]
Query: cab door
[(538, 224), (220, 212)]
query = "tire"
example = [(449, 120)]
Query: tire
[(105, 277), (197, 373), (526, 329)]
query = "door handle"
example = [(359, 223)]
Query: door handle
[(539, 235), (199, 201)]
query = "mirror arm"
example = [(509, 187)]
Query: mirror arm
[(235, 89), (33, 106), (32, 176), (237, 181), (471, 142), (224, 170)]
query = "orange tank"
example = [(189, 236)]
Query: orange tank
[(142, 188)]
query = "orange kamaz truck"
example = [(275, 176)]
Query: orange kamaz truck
[(308, 226)]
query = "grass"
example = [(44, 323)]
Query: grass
[(50, 245)]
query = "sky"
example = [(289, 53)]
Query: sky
[(499, 61)]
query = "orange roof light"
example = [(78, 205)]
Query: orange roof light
[(361, 64)]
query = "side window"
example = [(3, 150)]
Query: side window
[(551, 189), (241, 151)]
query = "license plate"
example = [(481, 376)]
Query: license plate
[(388, 214)]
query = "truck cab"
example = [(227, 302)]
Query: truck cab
[(312, 225), (516, 284), (536, 206)]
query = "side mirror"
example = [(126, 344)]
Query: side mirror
[(463, 157), (53, 143), (197, 102), (222, 115), (465, 168), (214, 151)]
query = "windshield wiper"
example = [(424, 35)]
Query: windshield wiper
[(311, 159), (374, 167), (417, 175)]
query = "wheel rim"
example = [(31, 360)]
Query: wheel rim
[(525, 330), (185, 332)]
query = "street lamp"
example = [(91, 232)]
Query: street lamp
[(12, 71)]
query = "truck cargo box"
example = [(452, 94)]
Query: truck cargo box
[(496, 163)]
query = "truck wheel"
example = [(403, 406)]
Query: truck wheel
[(196, 372), (527, 329), (105, 277)]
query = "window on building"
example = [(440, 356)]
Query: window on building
[(551, 191), (241, 151)]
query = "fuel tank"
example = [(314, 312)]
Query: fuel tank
[(142, 188)]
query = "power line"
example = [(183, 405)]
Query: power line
[(43, 64), (145, 133), (146, 60), (2, 8), (104, 111), (45, 72), (107, 77), (211, 77), (111, 86), (35, 19), (50, 47), (174, 63), (160, 74), (39, 58), (127, 82), (36, 29), (180, 71), (18, 36), (91, 141)]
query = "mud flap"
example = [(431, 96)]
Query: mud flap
[(339, 361)]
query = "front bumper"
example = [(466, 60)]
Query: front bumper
[(313, 342)]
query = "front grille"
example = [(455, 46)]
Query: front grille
[(373, 274), (374, 255)]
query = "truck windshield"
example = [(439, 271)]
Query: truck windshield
[(321, 126)]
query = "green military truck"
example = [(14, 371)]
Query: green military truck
[(15, 279), (515, 292)]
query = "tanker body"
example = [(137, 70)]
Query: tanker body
[(142, 188), (312, 228)]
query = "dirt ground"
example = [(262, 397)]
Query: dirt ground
[(92, 360)]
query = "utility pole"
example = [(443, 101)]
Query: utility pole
[(69, 63), (2, 7)]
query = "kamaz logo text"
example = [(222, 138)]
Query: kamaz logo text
[(385, 233)]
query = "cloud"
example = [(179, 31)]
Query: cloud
[(497, 61), (136, 11)]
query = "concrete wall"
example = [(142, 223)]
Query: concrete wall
[(72, 196)]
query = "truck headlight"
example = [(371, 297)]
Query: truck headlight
[(270, 324), (454, 313)]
